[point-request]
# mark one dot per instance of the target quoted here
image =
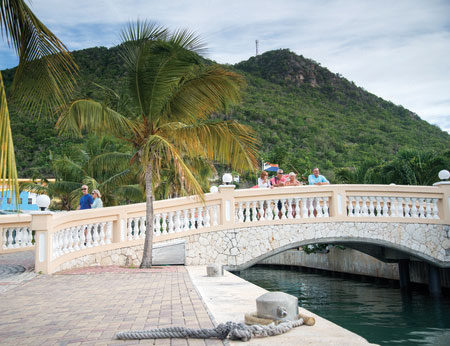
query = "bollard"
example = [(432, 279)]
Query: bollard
[(214, 270)]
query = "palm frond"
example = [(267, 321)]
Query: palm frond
[(46, 72), (203, 91), (223, 141), (110, 162), (157, 148), (92, 116), (8, 170)]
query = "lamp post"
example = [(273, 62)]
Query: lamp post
[(227, 178), (43, 201), (444, 174)]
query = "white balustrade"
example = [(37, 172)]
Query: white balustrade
[(17, 237)]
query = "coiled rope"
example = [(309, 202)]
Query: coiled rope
[(231, 330)]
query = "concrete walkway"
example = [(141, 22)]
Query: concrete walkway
[(88, 306), (228, 298)]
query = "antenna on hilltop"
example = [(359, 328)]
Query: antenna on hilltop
[(256, 47)]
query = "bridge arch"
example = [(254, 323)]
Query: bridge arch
[(241, 248)]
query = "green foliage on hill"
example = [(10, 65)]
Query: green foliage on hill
[(304, 114)]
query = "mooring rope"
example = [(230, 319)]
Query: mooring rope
[(231, 330)]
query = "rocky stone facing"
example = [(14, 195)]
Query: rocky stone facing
[(245, 246), (129, 256), (240, 248)]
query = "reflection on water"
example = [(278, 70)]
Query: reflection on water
[(382, 315)]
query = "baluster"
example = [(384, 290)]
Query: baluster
[(393, 209), (421, 209), (290, 211), (55, 245), (65, 241), (5, 238), (254, 211), (371, 207), (89, 235), (283, 208), (414, 207), (407, 209), (311, 207), (357, 207), (351, 210), (261, 211), (108, 232), (70, 239), (80, 230), (157, 229), (364, 209), (297, 208), (378, 206), (207, 219), (102, 233), (142, 227), (164, 223), (26, 236), (16, 238), (215, 215), (171, 223), (178, 221), (269, 212), (247, 212), (76, 239), (240, 213), (385, 207), (95, 232), (130, 228), (400, 207), (435, 209), (19, 237), (61, 242), (185, 220), (304, 208), (193, 219), (317, 206), (11, 239), (429, 215), (200, 217), (325, 207)]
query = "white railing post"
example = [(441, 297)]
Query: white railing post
[(227, 208), (41, 222)]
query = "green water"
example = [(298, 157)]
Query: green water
[(382, 315)]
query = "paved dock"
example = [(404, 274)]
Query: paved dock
[(89, 306)]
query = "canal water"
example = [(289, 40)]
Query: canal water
[(380, 314)]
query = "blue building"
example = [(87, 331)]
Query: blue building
[(27, 202)]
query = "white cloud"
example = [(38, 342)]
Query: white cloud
[(398, 50)]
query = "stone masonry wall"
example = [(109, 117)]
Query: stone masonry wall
[(243, 247)]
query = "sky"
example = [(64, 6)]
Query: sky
[(398, 50)]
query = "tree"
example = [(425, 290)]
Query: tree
[(100, 164), (42, 80), (174, 94)]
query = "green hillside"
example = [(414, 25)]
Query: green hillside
[(298, 108)]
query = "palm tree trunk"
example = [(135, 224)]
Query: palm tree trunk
[(148, 243)]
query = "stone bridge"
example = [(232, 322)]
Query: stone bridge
[(238, 228)]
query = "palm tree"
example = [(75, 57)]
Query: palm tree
[(97, 164), (174, 94), (42, 80)]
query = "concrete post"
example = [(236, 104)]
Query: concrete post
[(119, 227), (434, 281), (227, 208), (444, 207), (41, 222), (338, 204), (403, 273)]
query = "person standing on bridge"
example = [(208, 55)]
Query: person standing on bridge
[(316, 178), (86, 200)]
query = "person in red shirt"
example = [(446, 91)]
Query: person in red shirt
[(278, 180)]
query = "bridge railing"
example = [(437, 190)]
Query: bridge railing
[(62, 237)]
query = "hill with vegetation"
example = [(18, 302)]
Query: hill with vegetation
[(304, 114)]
